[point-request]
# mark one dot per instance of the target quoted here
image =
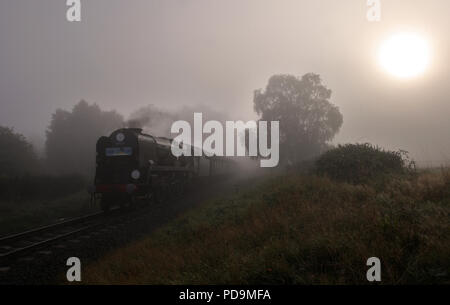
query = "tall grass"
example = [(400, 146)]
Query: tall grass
[(298, 229), (30, 201), (17, 216)]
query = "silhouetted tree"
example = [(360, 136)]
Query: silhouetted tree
[(17, 156), (71, 137), (307, 118)]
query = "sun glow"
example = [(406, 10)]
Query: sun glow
[(405, 55)]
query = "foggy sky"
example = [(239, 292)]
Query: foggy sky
[(124, 55)]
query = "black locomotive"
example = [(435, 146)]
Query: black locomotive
[(131, 165)]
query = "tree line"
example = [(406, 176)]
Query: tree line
[(308, 122), (69, 147)]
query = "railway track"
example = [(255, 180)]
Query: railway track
[(20, 244)]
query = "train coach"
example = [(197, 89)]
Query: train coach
[(132, 165)]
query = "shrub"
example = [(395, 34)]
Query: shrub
[(40, 187), (360, 163)]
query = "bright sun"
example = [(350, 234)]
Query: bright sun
[(405, 55)]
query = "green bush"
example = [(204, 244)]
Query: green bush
[(360, 163)]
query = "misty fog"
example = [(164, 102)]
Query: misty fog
[(176, 55)]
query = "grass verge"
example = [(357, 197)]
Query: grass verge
[(297, 229)]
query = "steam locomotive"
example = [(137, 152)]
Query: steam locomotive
[(132, 165)]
